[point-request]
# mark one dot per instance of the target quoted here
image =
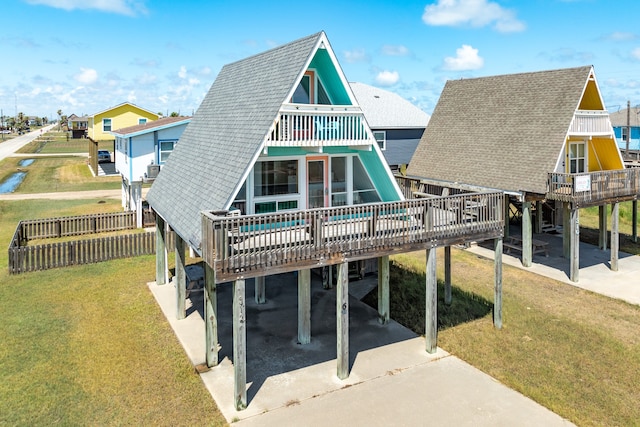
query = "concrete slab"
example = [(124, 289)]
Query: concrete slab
[(595, 273), (392, 381)]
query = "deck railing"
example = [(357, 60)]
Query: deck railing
[(591, 122), (415, 188), (255, 245), (595, 188), (318, 126)]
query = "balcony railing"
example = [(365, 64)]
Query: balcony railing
[(256, 245), (590, 122), (595, 188), (318, 126)]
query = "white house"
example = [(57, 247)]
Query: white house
[(141, 151)]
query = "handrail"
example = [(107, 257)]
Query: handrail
[(593, 188), (254, 245)]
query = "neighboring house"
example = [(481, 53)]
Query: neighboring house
[(396, 123), (124, 115), (278, 172), (78, 126), (624, 122), (536, 136), (141, 151)]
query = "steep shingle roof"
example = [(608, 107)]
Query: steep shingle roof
[(387, 110), (225, 135), (502, 132)]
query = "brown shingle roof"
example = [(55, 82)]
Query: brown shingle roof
[(503, 132), (149, 125)]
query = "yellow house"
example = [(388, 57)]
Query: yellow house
[(118, 117)]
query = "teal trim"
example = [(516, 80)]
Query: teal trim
[(378, 173), (327, 72)]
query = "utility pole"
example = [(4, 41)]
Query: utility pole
[(628, 127)]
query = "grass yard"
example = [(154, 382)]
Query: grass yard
[(55, 174), (575, 352), (54, 142), (88, 345), (589, 226)]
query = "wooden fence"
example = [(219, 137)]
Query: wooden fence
[(25, 258)]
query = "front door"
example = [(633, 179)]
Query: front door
[(317, 186)]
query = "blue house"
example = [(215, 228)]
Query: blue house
[(624, 121), (396, 123)]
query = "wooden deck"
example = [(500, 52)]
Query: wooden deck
[(256, 245), (595, 188)]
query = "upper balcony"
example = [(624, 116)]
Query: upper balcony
[(313, 126), (595, 188), (590, 123)]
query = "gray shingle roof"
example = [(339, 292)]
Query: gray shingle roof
[(224, 136), (387, 110), (502, 132), (619, 118)]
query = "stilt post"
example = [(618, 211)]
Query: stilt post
[(383, 290), (180, 280), (161, 251), (497, 285), (210, 316), (239, 345), (342, 320), (447, 275), (615, 235), (431, 303), (304, 306), (527, 235)]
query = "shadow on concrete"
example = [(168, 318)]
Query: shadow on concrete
[(272, 327), (589, 254)]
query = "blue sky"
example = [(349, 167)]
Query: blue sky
[(83, 56)]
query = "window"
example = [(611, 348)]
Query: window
[(363, 189), (625, 134), (165, 149), (381, 138), (339, 181), (275, 177), (106, 125), (577, 157), (302, 94), (142, 121)]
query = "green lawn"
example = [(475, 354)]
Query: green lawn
[(573, 351), (88, 345), (55, 174)]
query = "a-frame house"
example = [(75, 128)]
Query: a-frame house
[(278, 171), (540, 136)]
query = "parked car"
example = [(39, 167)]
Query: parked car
[(104, 156)]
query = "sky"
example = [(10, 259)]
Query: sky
[(85, 56)]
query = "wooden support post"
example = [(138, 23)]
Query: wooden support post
[(383, 289), (239, 346), (602, 227), (210, 316), (304, 306), (538, 224), (431, 303), (447, 275), (574, 259), (615, 235), (342, 320), (180, 280), (566, 230), (161, 251), (260, 294), (527, 235), (497, 284), (507, 212), (634, 220)]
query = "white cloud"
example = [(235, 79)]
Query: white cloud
[(387, 78), (617, 36), (87, 76), (183, 72), (466, 59), (356, 55), (635, 53), (395, 50), (476, 13), (131, 97), (122, 7)]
